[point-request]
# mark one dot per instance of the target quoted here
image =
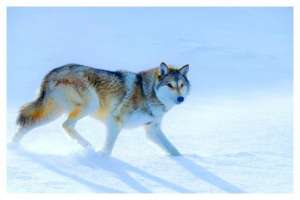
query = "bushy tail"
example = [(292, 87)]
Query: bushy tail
[(32, 112)]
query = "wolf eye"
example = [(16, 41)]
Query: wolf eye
[(170, 85), (181, 85)]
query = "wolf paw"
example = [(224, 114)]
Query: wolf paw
[(89, 149), (13, 145), (175, 153), (103, 153)]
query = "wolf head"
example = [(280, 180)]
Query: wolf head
[(172, 85)]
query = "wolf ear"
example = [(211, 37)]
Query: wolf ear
[(184, 70), (163, 69)]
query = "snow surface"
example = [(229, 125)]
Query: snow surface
[(234, 130)]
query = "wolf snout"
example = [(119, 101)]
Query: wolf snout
[(180, 99)]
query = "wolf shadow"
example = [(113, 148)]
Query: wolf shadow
[(123, 170)]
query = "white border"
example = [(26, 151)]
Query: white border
[(149, 3), (296, 109), (3, 99), (135, 3)]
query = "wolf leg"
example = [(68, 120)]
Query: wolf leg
[(81, 102), (155, 134), (113, 130), (23, 130), (19, 135), (69, 125)]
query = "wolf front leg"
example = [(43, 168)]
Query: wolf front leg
[(155, 134), (113, 130)]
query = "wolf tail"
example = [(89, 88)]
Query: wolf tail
[(34, 111)]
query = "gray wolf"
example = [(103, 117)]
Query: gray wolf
[(120, 99)]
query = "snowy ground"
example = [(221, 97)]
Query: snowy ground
[(235, 129), (233, 145)]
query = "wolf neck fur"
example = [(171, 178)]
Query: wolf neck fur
[(148, 91)]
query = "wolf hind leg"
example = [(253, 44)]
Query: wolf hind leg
[(20, 134), (69, 127), (24, 130), (75, 115)]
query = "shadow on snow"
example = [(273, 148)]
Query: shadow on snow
[(121, 170)]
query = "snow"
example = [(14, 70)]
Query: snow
[(227, 147), (234, 130)]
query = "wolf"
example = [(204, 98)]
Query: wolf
[(120, 99)]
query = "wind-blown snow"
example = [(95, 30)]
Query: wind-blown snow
[(234, 130)]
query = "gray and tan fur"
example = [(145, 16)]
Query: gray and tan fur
[(120, 99)]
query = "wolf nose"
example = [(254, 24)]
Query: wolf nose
[(180, 99)]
